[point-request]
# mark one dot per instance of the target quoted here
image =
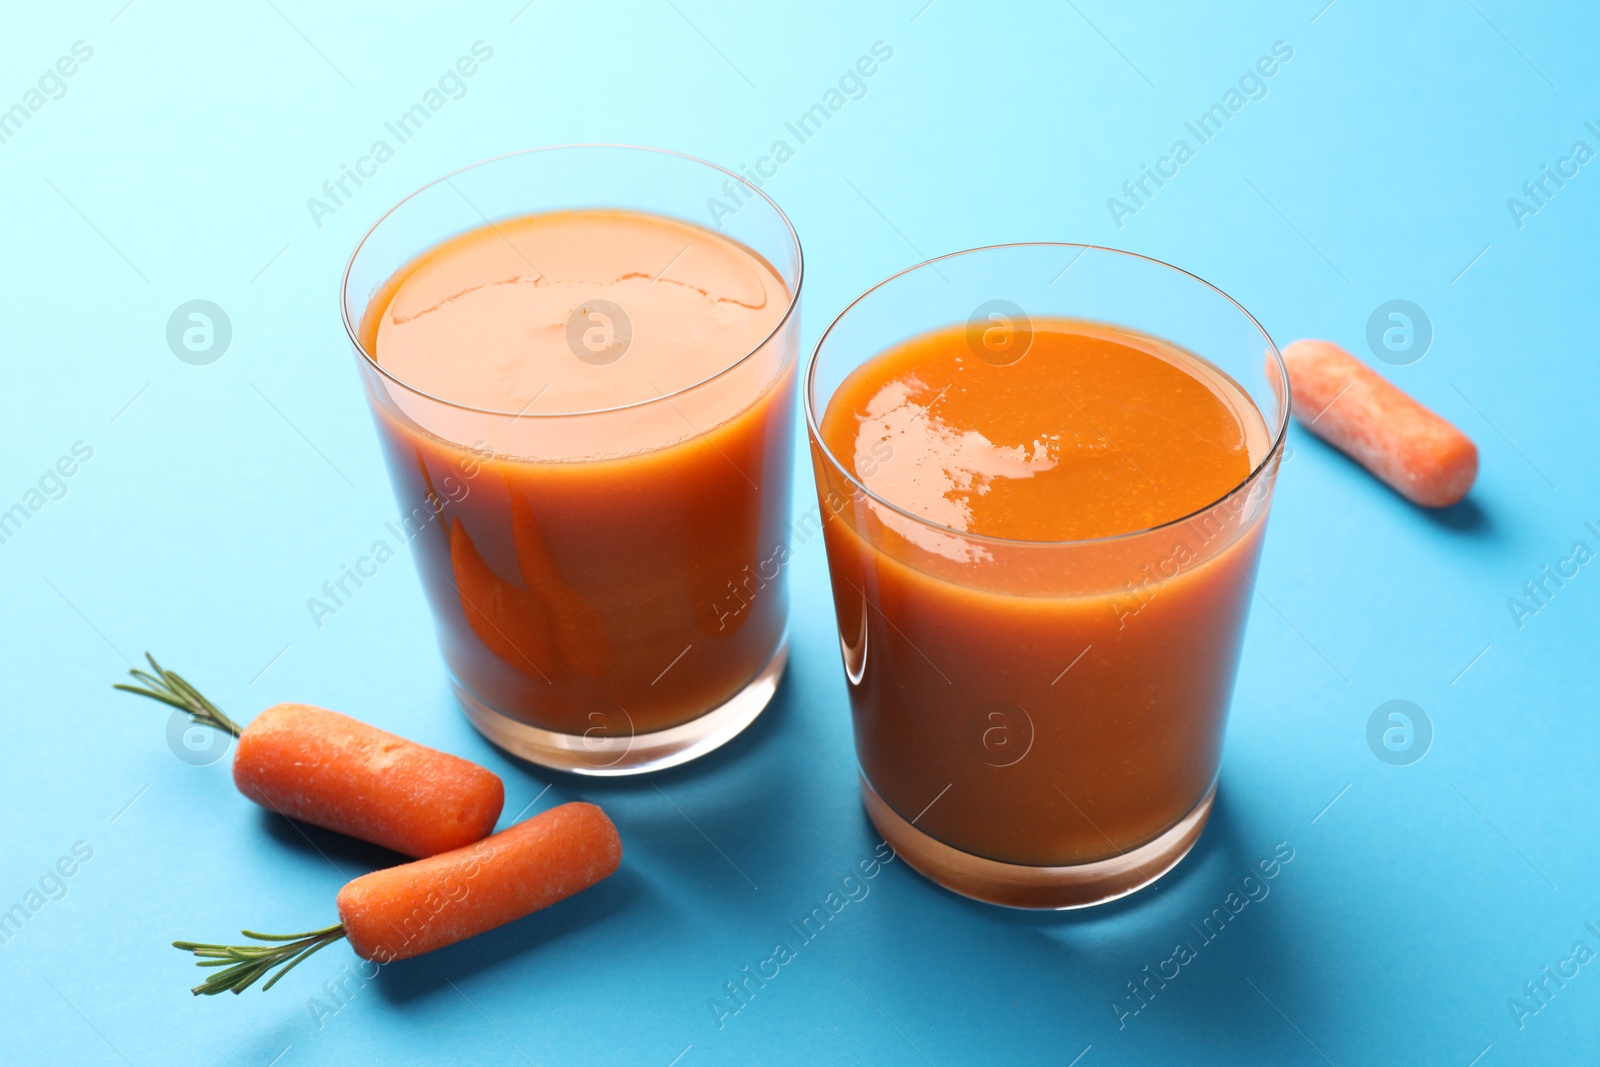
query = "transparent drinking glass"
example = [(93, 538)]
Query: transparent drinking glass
[(1040, 724), (596, 576)]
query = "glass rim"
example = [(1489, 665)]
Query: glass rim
[(1277, 433), (352, 330)]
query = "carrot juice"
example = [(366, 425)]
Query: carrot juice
[(591, 412), (1042, 570)]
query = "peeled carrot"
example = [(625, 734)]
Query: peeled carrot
[(1415, 452), (339, 773), (404, 911)]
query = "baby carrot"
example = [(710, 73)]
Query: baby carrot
[(341, 774), (1414, 451), (404, 911)]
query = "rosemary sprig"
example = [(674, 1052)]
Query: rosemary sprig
[(170, 688), (244, 965)]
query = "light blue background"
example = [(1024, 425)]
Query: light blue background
[(177, 166)]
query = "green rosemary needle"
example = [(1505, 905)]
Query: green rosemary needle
[(244, 965), (170, 688)]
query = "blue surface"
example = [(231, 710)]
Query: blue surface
[(1420, 898)]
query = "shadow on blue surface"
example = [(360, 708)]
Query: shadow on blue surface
[(1081, 959), (1466, 517), (347, 855), (743, 796), (658, 828), (406, 980)]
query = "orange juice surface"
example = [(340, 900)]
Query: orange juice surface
[(1019, 698), (1089, 435), (486, 319), (579, 559)]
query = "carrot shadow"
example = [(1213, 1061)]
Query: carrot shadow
[(349, 856), (713, 819), (406, 980), (269, 1039), (1467, 517)]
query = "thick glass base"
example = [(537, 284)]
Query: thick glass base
[(1016, 886), (610, 756)]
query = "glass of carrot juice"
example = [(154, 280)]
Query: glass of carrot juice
[(581, 362), (1045, 472)]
